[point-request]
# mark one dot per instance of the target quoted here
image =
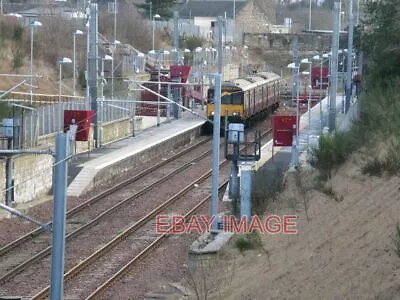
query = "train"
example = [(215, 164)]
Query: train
[(245, 99)]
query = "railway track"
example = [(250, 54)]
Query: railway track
[(92, 211), (124, 251), (34, 233), (84, 260), (79, 231)]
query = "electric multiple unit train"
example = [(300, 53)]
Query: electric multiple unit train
[(245, 99)]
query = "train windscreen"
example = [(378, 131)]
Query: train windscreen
[(210, 96), (227, 97)]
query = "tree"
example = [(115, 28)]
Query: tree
[(381, 38), (161, 7)]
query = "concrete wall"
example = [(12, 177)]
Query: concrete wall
[(32, 176), (112, 131), (116, 130), (154, 152), (33, 173)]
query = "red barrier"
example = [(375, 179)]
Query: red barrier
[(282, 130), (83, 119)]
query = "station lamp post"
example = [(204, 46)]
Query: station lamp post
[(295, 145), (74, 34), (64, 60), (103, 81), (32, 25), (113, 48), (309, 62), (328, 56), (320, 82), (156, 16)]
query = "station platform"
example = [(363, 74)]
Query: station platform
[(86, 170), (308, 137)]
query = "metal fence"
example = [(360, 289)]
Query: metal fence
[(29, 125)]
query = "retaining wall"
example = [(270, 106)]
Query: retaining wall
[(155, 152), (32, 176)]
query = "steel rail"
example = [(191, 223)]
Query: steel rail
[(5, 249), (116, 240), (18, 269), (101, 289)]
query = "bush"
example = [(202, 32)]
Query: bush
[(191, 42), (373, 167), (248, 241), (81, 79), (18, 33), (332, 151), (379, 123), (18, 60)]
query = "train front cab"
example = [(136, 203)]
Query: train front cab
[(231, 105)]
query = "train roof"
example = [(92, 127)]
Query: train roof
[(252, 81)]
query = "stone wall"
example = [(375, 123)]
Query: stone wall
[(276, 41), (32, 176)]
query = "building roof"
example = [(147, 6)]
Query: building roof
[(209, 8)]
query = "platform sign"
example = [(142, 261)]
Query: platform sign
[(282, 130), (82, 118)]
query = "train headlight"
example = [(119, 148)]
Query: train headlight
[(212, 113), (236, 114)]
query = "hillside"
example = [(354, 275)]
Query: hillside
[(45, 85), (344, 249)]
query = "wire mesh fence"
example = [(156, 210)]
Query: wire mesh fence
[(31, 124)]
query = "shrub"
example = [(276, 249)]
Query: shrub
[(82, 79), (18, 33), (248, 241), (191, 42), (18, 60), (373, 167), (332, 151)]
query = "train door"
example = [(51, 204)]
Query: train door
[(262, 98), (254, 101), (248, 107)]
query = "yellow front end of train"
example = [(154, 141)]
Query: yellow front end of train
[(231, 105)]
